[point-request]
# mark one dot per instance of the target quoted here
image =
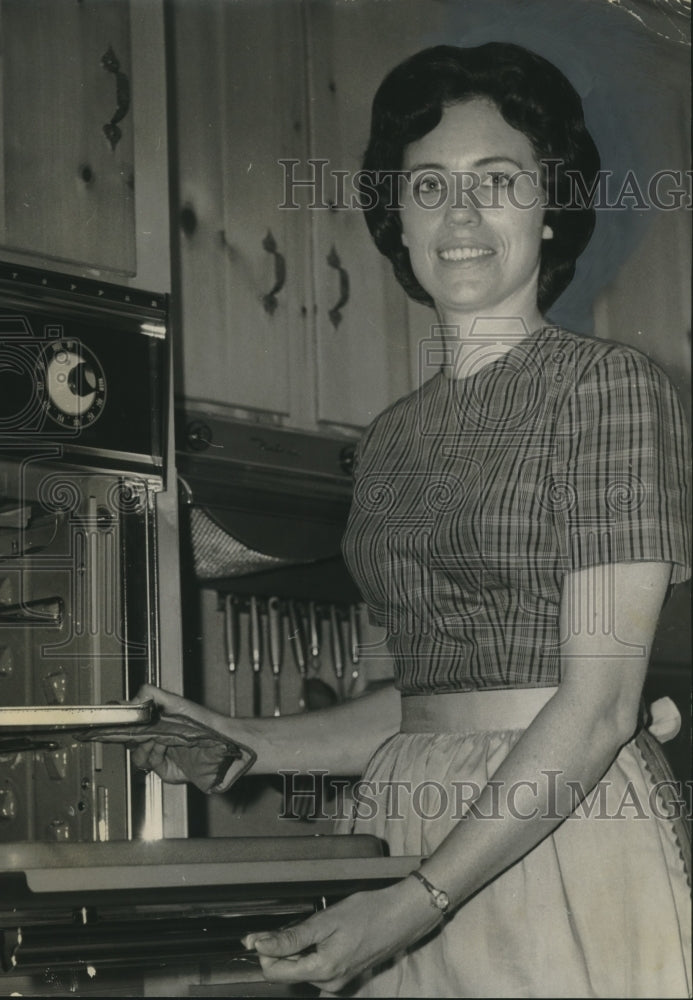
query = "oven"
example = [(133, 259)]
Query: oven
[(93, 900), (83, 389)]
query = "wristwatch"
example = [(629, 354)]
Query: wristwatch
[(439, 898)]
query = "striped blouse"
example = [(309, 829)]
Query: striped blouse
[(474, 496)]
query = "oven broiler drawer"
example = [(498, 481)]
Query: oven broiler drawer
[(116, 941), (113, 906)]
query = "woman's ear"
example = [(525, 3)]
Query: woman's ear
[(547, 232)]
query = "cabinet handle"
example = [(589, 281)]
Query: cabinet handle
[(269, 300), (111, 64), (335, 313)]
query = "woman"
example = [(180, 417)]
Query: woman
[(516, 524)]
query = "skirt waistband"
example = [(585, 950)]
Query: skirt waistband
[(473, 711)]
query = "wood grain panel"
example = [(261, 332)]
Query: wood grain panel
[(240, 108), (68, 194)]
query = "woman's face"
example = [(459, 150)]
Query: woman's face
[(473, 243)]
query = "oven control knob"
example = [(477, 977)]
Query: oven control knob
[(198, 435)]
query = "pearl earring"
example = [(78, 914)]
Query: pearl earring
[(547, 233)]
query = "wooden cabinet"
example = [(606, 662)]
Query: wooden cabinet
[(288, 312), (83, 151), (365, 357), (239, 104)]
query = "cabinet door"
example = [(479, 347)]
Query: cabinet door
[(83, 96), (366, 354), (240, 108)]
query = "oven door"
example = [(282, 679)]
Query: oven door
[(78, 628)]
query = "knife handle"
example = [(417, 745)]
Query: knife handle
[(232, 639), (255, 635), (231, 631), (255, 654), (297, 638), (354, 637), (313, 629), (337, 656), (354, 648), (275, 639), (275, 647)]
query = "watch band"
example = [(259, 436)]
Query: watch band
[(439, 898)]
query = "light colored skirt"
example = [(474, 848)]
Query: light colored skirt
[(600, 908)]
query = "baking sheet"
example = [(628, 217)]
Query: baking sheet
[(46, 717)]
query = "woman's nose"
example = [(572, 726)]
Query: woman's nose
[(462, 209)]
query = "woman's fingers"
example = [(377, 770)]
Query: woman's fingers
[(166, 701), (139, 755), (169, 703), (152, 756), (283, 954), (290, 941), (300, 954), (306, 968), (149, 756), (157, 758), (332, 947)]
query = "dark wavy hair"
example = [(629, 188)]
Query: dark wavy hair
[(532, 96)]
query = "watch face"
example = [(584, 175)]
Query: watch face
[(75, 384), (442, 900)]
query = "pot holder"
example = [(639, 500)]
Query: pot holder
[(209, 760)]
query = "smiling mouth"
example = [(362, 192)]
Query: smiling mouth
[(464, 253)]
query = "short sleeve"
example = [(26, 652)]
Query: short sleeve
[(620, 469)]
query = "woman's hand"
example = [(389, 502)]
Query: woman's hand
[(171, 704), (151, 755), (334, 946)]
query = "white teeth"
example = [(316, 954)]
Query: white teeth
[(463, 253)]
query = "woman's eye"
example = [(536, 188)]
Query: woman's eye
[(428, 185), (497, 179)]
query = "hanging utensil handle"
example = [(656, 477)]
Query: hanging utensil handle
[(314, 634), (256, 654), (297, 637), (232, 647), (354, 638), (354, 644), (337, 655), (275, 646)]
